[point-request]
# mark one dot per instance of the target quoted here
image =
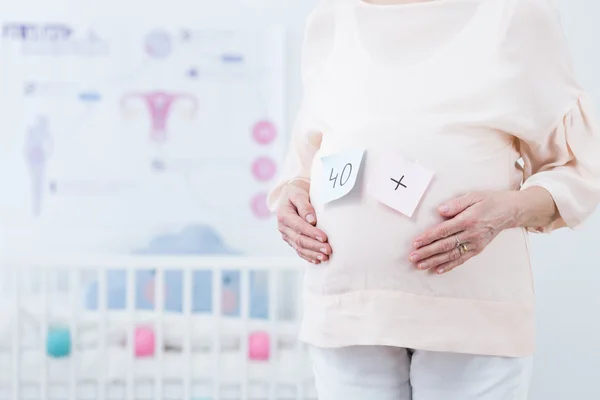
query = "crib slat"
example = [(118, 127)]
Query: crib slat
[(43, 274), (137, 262), (187, 335), (159, 303), (103, 354), (244, 334), (74, 283), (130, 348), (273, 285), (16, 337), (216, 308)]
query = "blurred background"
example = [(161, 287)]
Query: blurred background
[(156, 128)]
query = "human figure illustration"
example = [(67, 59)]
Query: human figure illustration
[(38, 149)]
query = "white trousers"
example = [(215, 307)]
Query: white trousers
[(393, 373)]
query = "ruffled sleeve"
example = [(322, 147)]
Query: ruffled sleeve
[(551, 117), (298, 161), (566, 162)]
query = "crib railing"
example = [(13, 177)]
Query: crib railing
[(18, 273)]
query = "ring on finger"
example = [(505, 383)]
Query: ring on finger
[(462, 247)]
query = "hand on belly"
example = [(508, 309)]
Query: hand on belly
[(296, 221), (473, 221)]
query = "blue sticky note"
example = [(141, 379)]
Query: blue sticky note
[(340, 171)]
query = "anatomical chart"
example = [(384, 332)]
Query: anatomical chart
[(140, 139)]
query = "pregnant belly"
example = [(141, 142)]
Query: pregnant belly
[(371, 241), (364, 231)]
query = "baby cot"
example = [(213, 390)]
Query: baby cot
[(55, 346)]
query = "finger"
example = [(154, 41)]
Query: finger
[(306, 254), (441, 231), (301, 241), (438, 247), (289, 217), (292, 244), (312, 255), (442, 258), (309, 259), (301, 201), (457, 205), (449, 266), (316, 262)]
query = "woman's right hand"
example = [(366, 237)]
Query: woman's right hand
[(296, 222)]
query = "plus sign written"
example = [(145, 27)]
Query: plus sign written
[(398, 183), (410, 182)]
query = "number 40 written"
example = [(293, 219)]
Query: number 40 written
[(343, 176)]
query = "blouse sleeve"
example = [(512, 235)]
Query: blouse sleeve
[(306, 137), (560, 138), (566, 162), (298, 161)]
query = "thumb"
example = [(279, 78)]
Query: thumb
[(301, 201), (455, 206)]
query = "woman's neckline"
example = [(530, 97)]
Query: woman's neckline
[(436, 56)]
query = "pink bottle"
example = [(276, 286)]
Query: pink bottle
[(145, 342), (259, 346)]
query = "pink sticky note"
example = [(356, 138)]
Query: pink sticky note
[(398, 183)]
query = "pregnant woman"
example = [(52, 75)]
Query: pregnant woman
[(433, 136)]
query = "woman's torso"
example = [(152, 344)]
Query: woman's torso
[(427, 112)]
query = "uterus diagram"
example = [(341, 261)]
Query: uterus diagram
[(159, 105), (37, 150)]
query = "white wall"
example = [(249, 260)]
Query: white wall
[(566, 264)]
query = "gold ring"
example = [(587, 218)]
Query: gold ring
[(462, 248)]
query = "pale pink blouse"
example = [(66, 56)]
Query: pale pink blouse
[(481, 92)]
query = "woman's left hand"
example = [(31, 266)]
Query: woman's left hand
[(474, 220)]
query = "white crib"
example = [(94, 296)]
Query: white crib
[(196, 357)]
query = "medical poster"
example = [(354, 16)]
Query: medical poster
[(140, 139)]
